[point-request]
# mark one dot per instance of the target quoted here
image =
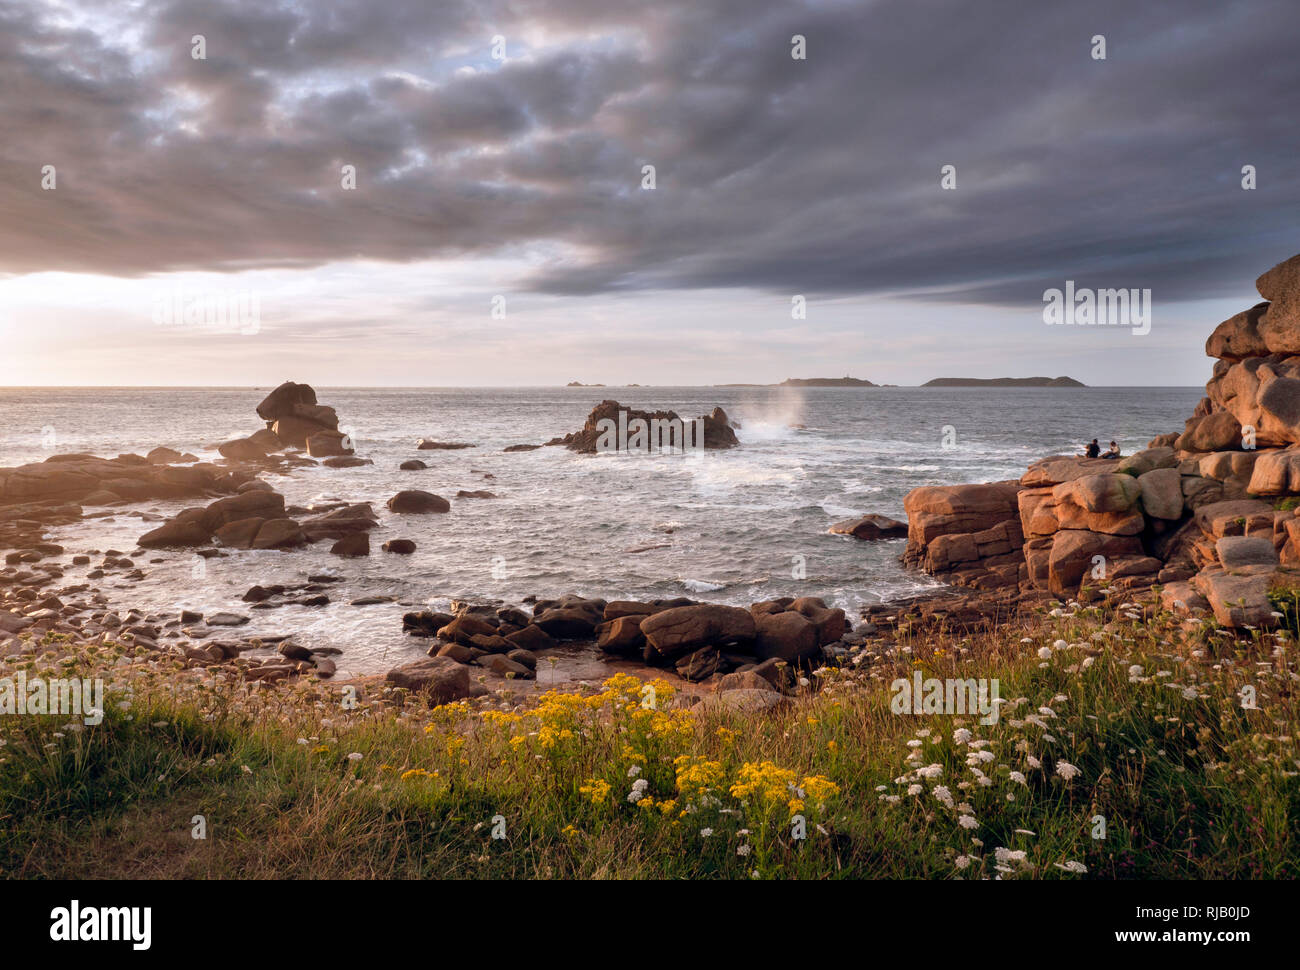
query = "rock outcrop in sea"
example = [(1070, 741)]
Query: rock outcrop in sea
[(293, 420), (1207, 513), (718, 428)]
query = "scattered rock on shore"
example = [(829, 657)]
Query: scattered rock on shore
[(871, 527), (428, 444), (417, 501)]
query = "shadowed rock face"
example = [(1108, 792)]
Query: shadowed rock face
[(718, 428), (1187, 512), (284, 400), (870, 527), (755, 649)]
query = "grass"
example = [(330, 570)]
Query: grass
[(1130, 725)]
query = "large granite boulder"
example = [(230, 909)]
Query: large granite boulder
[(1238, 337), (787, 636), (414, 500), (1075, 553), (1212, 432), (1162, 493), (282, 401), (1238, 598), (1280, 325), (440, 679), (939, 510), (673, 633)]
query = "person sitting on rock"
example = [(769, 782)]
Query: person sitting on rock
[(1092, 450), (1112, 452)]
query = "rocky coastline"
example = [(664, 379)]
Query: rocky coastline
[(234, 509), (1207, 515), (1205, 518)]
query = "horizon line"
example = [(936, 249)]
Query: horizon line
[(552, 387)]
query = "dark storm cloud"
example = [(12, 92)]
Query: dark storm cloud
[(818, 176)]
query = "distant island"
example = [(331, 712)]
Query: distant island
[(580, 384), (813, 382), (825, 382), (1004, 382)]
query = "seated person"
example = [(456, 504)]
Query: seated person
[(1092, 450), (1113, 452)]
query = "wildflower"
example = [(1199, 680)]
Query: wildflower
[(634, 771), (818, 788), (968, 822), (1005, 856), (1044, 653), (1073, 866), (742, 849), (705, 833), (944, 795), (1019, 778), (1066, 770), (638, 790), (962, 861), (596, 789), (961, 736), (764, 780)]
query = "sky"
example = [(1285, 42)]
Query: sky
[(399, 192)]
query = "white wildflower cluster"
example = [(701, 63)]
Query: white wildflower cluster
[(638, 791)]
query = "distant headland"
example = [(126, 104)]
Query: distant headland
[(1004, 382)]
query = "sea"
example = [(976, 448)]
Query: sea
[(734, 526)]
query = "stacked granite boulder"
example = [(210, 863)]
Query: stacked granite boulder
[(1204, 512), (293, 420)]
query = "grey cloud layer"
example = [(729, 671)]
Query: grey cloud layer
[(817, 176)]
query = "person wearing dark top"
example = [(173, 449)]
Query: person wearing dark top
[(1093, 449), (1113, 452)]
